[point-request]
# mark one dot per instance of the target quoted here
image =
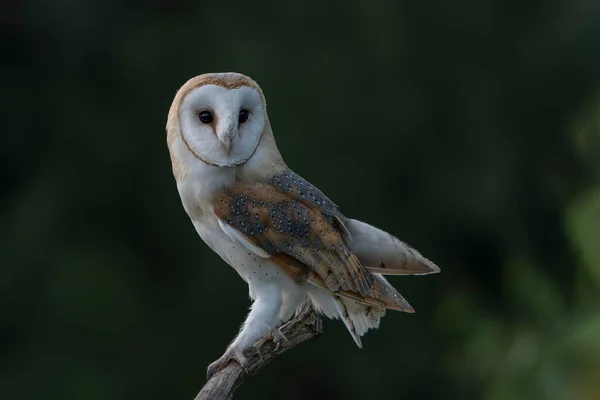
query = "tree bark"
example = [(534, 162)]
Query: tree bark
[(304, 326)]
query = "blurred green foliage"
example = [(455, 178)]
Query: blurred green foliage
[(470, 129)]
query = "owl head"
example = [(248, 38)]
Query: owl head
[(219, 117)]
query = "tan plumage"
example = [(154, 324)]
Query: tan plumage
[(284, 224), (278, 223), (280, 233)]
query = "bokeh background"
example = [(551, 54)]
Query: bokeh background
[(468, 128)]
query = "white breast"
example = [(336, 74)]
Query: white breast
[(255, 270)]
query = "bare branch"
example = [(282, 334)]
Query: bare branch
[(304, 326)]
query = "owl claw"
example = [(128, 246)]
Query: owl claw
[(277, 336), (232, 354), (241, 356)]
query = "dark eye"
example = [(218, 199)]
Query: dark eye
[(205, 117), (243, 115)]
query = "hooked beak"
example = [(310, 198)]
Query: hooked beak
[(227, 143)]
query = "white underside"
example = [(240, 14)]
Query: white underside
[(276, 296)]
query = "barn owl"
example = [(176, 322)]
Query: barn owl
[(281, 234)]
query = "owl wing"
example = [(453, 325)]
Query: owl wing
[(378, 251), (305, 241)]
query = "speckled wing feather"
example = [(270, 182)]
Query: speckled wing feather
[(305, 237), (300, 189)]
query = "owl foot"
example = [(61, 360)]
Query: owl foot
[(241, 356), (277, 337)]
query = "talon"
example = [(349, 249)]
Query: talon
[(252, 351), (241, 356), (212, 369), (277, 336)]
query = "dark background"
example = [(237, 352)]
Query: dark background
[(468, 128)]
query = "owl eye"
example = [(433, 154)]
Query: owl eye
[(205, 117), (243, 115)]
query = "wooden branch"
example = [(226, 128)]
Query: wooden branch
[(304, 326)]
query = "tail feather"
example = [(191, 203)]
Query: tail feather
[(382, 253), (348, 320), (358, 318), (364, 317)]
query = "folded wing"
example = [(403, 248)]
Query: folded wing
[(302, 240)]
